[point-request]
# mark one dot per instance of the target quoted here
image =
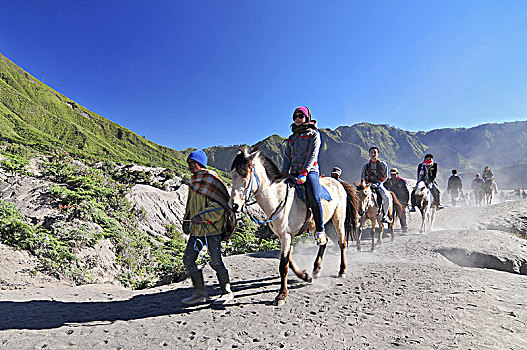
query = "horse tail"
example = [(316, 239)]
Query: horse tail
[(396, 203), (352, 208)]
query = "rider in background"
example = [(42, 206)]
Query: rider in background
[(454, 186), (488, 175), (427, 172), (477, 186), (376, 172), (301, 161), (336, 173), (399, 186)]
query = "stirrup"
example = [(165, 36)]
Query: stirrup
[(321, 238)]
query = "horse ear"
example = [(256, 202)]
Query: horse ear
[(244, 150), (253, 155)]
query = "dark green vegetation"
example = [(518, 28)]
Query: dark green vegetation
[(502, 146)]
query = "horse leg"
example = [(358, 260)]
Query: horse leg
[(432, 218), (301, 273), (318, 260), (359, 231), (285, 250), (423, 221), (343, 244), (373, 222), (381, 230)]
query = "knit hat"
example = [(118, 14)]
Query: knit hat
[(304, 110), (199, 156), (336, 170)]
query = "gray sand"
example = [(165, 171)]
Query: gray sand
[(405, 294)]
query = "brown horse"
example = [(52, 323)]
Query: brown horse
[(255, 176), (368, 209)]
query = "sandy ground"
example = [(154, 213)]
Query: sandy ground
[(405, 294)]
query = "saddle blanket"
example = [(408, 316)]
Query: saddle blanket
[(324, 194)]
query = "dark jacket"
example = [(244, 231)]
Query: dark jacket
[(301, 152), (454, 183), (375, 172), (427, 173), (399, 187)]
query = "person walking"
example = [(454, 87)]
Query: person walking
[(477, 185), (375, 172), (454, 187), (399, 187), (204, 221), (301, 161)]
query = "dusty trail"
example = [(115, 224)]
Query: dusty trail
[(405, 294)]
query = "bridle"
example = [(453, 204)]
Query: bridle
[(247, 202), (368, 198)]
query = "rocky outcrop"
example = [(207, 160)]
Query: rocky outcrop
[(161, 208)]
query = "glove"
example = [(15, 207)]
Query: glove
[(302, 177)]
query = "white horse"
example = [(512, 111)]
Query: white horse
[(256, 176), (424, 200)]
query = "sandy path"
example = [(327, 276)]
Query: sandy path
[(403, 295)]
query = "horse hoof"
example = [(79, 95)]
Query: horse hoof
[(307, 277), (342, 275), (316, 274), (279, 302)]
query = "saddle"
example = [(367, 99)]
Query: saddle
[(300, 192)]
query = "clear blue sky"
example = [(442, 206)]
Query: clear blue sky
[(204, 73)]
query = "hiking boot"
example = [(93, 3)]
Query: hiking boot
[(200, 294), (321, 238), (404, 230), (225, 286)]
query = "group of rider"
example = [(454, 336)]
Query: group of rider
[(205, 212), (455, 185)]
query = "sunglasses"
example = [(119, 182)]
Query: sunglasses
[(296, 116)]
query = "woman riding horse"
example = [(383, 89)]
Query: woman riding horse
[(301, 161)]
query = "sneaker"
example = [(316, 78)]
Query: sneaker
[(440, 207), (321, 238), (412, 209)]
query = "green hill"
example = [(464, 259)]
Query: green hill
[(502, 146), (34, 115)]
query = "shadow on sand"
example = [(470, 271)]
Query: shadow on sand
[(46, 314)]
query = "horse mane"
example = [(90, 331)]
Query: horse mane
[(242, 164)]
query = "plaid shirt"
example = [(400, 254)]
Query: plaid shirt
[(207, 195), (208, 184)]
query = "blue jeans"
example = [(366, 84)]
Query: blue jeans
[(312, 185), (193, 248)]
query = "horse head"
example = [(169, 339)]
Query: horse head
[(244, 179), (421, 192), (364, 192)]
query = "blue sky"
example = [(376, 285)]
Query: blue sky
[(205, 73)]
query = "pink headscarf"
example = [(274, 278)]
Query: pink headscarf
[(304, 110)]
